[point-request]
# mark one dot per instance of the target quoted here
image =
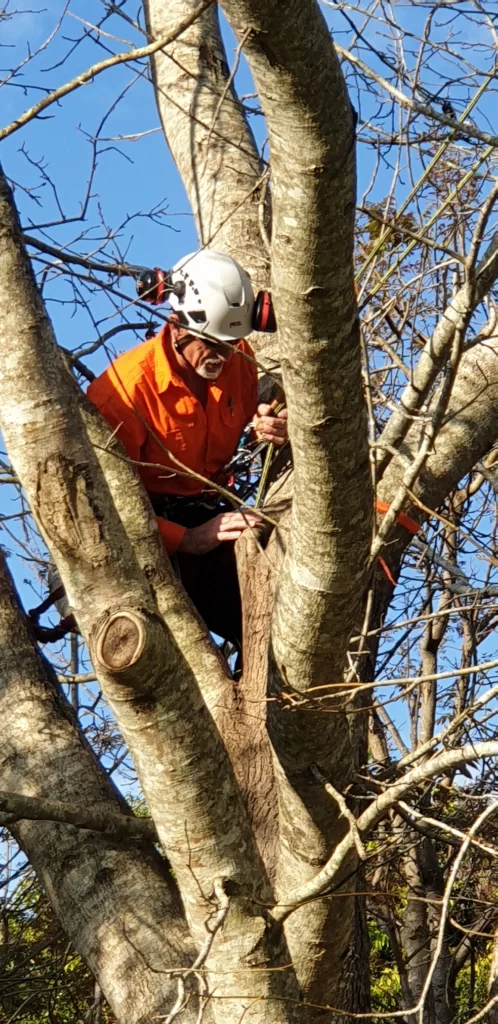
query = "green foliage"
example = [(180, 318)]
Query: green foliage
[(386, 991), (42, 979), (385, 984), (472, 988)]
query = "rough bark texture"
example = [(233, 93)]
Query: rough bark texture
[(208, 133), (436, 351), (182, 764), (319, 590), (114, 899), (250, 745)]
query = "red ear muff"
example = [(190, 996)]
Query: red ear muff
[(263, 317), (151, 286)]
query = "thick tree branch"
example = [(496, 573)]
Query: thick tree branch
[(469, 430), (310, 123), (182, 764), (432, 358), (311, 130), (94, 881), (208, 134), (19, 807)]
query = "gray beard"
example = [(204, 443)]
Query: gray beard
[(210, 369)]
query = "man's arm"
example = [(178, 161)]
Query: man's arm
[(172, 534)]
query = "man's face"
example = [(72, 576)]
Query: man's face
[(206, 357)]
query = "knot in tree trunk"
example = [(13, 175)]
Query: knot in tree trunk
[(120, 641)]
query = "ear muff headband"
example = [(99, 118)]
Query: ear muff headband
[(151, 286), (160, 289), (263, 318)]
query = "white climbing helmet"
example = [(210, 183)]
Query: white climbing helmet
[(217, 298)]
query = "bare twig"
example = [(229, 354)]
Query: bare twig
[(88, 76)]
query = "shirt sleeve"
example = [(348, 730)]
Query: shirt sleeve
[(120, 415), (172, 534)]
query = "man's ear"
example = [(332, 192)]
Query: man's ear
[(179, 336)]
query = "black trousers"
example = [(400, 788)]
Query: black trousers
[(210, 580)]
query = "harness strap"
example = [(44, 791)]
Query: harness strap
[(403, 520)]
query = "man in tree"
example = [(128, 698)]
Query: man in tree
[(179, 404)]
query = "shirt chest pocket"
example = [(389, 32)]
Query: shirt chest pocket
[(232, 415), (169, 435), (180, 428)]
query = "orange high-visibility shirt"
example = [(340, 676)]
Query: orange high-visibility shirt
[(154, 412)]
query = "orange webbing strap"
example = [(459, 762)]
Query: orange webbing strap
[(403, 520)]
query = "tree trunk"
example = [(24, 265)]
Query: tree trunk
[(324, 569), (209, 136), (182, 765), (115, 900), (420, 931)]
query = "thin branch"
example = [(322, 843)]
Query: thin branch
[(344, 809), (440, 764), (119, 58), (420, 108)]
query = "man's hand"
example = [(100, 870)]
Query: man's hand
[(270, 427), (227, 526)]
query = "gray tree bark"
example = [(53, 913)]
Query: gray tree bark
[(115, 899), (208, 134), (181, 762), (324, 569)]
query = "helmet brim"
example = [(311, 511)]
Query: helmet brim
[(224, 339)]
